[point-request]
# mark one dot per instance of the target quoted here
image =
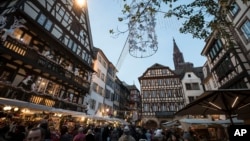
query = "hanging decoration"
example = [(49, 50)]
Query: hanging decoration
[(142, 39)]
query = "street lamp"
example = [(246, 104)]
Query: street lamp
[(80, 3)]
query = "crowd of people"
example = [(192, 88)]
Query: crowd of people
[(43, 131)]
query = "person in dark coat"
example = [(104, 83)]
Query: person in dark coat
[(18, 133), (114, 136), (90, 136), (105, 133), (65, 136), (44, 125), (97, 132)]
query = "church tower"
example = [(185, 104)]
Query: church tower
[(177, 57)]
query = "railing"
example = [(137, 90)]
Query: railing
[(33, 57), (7, 90)]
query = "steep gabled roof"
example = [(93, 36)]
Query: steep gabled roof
[(196, 70), (157, 66)]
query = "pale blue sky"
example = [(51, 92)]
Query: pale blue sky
[(103, 16)]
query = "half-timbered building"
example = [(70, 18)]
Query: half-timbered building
[(162, 95), (228, 61), (45, 53)]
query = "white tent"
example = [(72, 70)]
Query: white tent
[(186, 123), (209, 121)]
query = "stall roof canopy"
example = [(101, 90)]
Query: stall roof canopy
[(24, 104), (209, 121), (223, 101)]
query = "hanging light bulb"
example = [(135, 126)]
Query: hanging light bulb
[(7, 108), (16, 109)]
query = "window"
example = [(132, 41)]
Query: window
[(145, 95), (102, 76), (169, 93), (107, 94), (167, 82), (78, 51), (149, 82), (195, 86), (155, 107), (98, 73), (176, 106), (192, 86), (234, 9), (100, 90), (241, 84), (152, 72), (160, 82), (104, 64), (99, 58), (41, 19), (214, 83), (188, 86), (92, 104), (224, 68), (208, 86), (153, 94), (162, 95), (190, 99), (94, 86), (74, 47), (163, 107), (83, 54), (26, 38), (215, 49), (48, 25), (146, 107), (164, 71), (245, 28), (171, 107)]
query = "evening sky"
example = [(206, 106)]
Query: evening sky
[(103, 15)]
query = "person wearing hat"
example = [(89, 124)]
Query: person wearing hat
[(126, 135)]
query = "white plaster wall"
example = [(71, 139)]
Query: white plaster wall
[(192, 79)]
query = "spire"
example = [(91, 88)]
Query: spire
[(176, 49), (177, 56)]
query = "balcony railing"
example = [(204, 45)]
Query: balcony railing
[(29, 55), (7, 90)]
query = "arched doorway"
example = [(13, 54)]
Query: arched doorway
[(151, 124)]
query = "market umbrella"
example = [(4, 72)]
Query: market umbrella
[(223, 101)]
